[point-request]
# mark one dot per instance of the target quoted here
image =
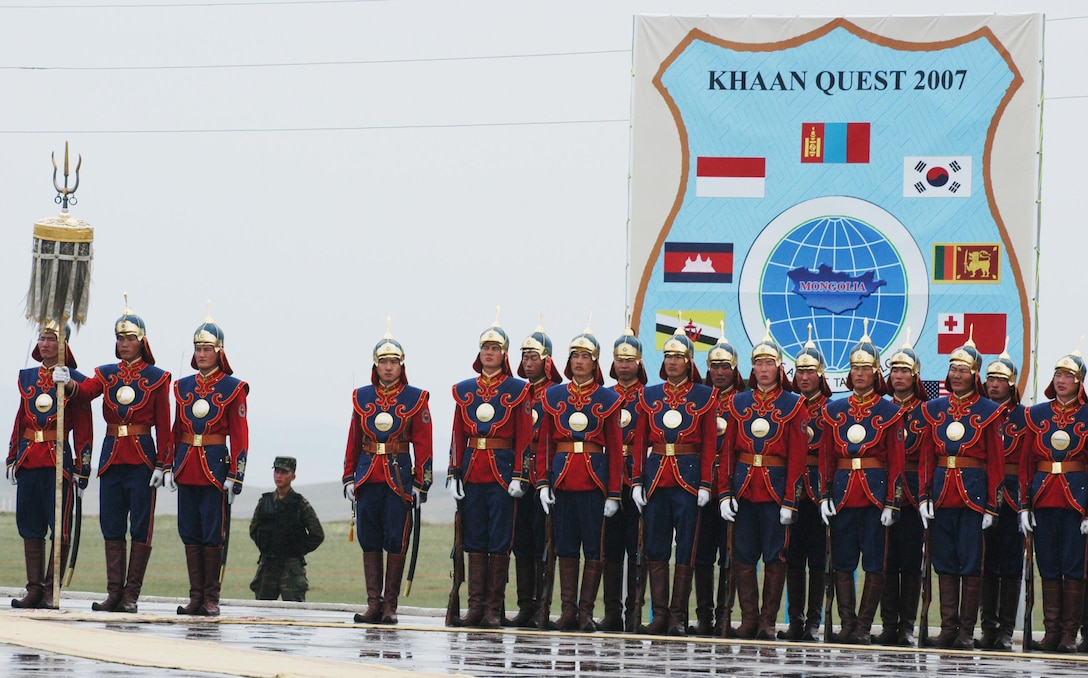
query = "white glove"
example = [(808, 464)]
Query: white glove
[(349, 491), (827, 511), (1084, 526), (168, 481), (61, 375), (515, 489), (156, 478), (704, 498), (228, 487), (728, 509), (11, 476), (988, 522), (785, 516), (79, 491), (925, 510), (611, 508), (1027, 522), (418, 498), (546, 500), (456, 488), (638, 495), (887, 517)]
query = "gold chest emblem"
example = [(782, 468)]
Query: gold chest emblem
[(201, 408), (625, 418), (383, 422), (760, 428), (485, 412), (721, 425), (955, 431), (536, 416), (1060, 440), (578, 421), (810, 433), (125, 395), (856, 433), (43, 403), (672, 419)]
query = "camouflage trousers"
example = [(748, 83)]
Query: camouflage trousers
[(280, 577)]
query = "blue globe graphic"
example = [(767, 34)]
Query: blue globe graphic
[(848, 246)]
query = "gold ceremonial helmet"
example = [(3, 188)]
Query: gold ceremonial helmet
[(130, 323), (1003, 367), (967, 354), (538, 341), (586, 342), (679, 343), (388, 347), (1072, 363), (722, 351), (906, 357), (495, 334), (767, 348), (865, 352), (209, 334), (810, 357), (627, 346)]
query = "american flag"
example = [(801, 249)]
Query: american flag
[(935, 388)]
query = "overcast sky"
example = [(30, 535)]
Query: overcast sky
[(314, 167)]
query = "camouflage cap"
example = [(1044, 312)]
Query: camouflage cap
[(284, 464)]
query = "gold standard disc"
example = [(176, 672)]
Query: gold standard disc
[(125, 395), (625, 418), (954, 431), (672, 419), (810, 433), (1060, 440), (578, 421), (383, 422), (201, 408), (485, 412), (536, 415), (856, 433), (760, 427), (721, 425), (43, 403)]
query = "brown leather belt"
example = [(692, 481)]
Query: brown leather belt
[(1060, 466), (125, 430), (759, 460), (200, 439), (40, 436), (911, 466), (812, 460), (491, 443), (395, 447), (578, 447), (857, 463), (1012, 469), (674, 449), (960, 462)]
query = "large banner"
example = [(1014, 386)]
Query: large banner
[(803, 173)]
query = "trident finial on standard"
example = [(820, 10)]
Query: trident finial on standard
[(65, 195)]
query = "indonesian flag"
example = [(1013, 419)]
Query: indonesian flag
[(953, 330), (730, 177)]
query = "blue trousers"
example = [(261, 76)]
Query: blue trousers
[(383, 520), (808, 539), (529, 526), (488, 520), (905, 538), (759, 533), (1005, 545), (955, 539), (671, 514), (856, 534), (1059, 545), (126, 499), (621, 530), (578, 523), (201, 513), (35, 503)]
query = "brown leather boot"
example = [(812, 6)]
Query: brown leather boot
[(970, 594), (1008, 600), (477, 589), (948, 587), (116, 554), (1052, 614), (612, 579), (817, 590), (372, 574), (1072, 604), (394, 572), (34, 554), (703, 579), (528, 603), (870, 597), (194, 563), (747, 599), (889, 612), (47, 588), (213, 560), (988, 613), (774, 581), (138, 556), (659, 599), (498, 572), (587, 596), (568, 594), (910, 590), (681, 595), (846, 599), (632, 606), (795, 604)]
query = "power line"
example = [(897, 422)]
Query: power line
[(360, 128)]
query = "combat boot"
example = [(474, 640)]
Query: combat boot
[(774, 580), (34, 554), (889, 612), (703, 579), (591, 582), (568, 594), (138, 556), (1072, 602), (817, 581), (394, 572), (748, 599), (632, 606), (659, 600), (194, 563), (47, 588), (795, 605), (372, 574), (528, 603), (1007, 603), (988, 612), (498, 572), (1052, 613), (846, 598), (477, 589), (909, 595), (870, 597), (681, 595), (213, 561), (948, 586), (612, 579), (116, 553)]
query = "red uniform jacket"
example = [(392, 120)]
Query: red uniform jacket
[(767, 467), (497, 408), (207, 411), (968, 428), (392, 417), (589, 415), (864, 435), (33, 441), (690, 408)]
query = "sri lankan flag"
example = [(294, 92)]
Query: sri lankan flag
[(702, 327), (967, 262)]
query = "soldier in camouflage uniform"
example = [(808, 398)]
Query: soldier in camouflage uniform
[(285, 528)]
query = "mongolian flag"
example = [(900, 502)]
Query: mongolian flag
[(835, 142)]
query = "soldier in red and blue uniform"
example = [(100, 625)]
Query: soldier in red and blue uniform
[(1004, 561), (210, 409), (579, 468), (1054, 492), (538, 368), (382, 477), (807, 549), (861, 467), (903, 574), (676, 425), (621, 529), (723, 376), (31, 463), (492, 429), (961, 467), (764, 456), (136, 401)]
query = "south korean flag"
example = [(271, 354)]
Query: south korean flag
[(937, 177)]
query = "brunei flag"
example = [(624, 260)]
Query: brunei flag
[(702, 327)]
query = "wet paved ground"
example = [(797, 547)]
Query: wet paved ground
[(421, 644)]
